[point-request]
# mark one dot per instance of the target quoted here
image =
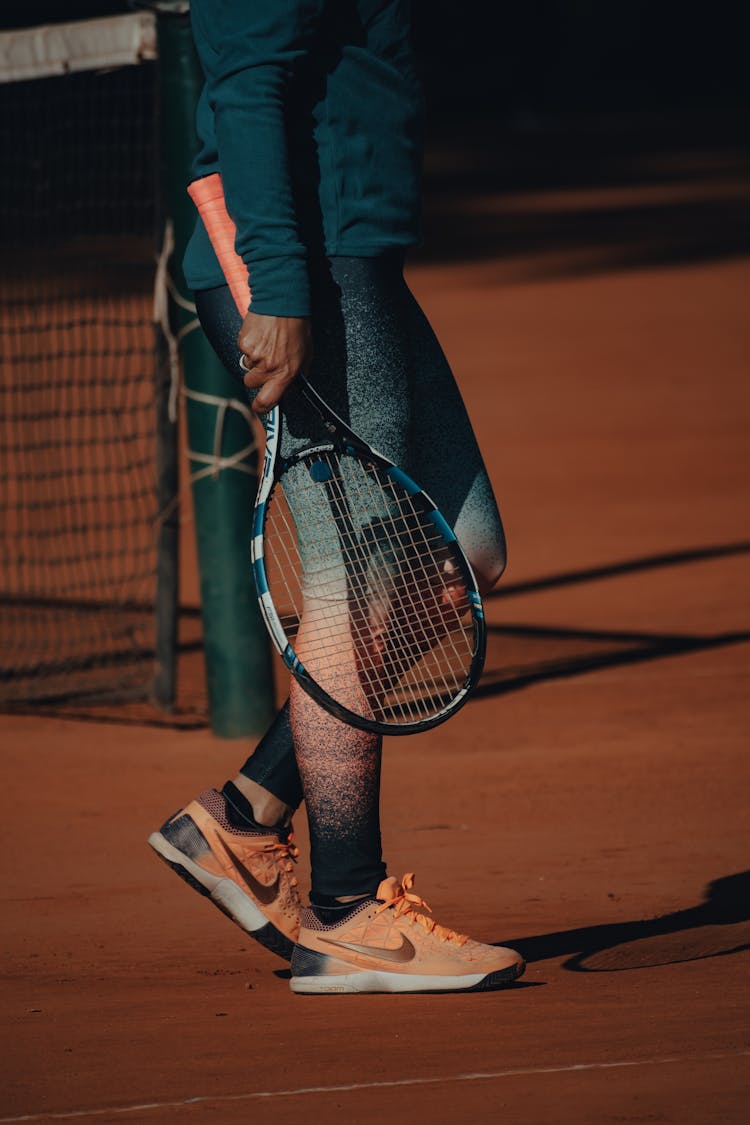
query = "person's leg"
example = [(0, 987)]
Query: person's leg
[(386, 942), (357, 332), (234, 845), (445, 457), (360, 369), (269, 780), (380, 366)]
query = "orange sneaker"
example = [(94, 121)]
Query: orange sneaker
[(388, 944), (248, 875)]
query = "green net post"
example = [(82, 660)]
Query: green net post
[(238, 661)]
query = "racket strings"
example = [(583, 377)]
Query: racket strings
[(405, 646), (437, 628), (357, 559), (409, 532), (357, 564), (386, 583), (413, 651)]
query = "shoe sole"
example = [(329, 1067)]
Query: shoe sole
[(376, 981), (226, 895)]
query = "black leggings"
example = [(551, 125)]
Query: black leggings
[(378, 363)]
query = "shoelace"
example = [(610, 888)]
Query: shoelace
[(405, 903), (287, 853)]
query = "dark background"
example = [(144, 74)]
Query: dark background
[(562, 95), (542, 58)]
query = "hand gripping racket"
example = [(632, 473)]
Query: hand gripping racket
[(362, 584)]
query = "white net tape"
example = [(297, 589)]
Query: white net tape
[(40, 52)]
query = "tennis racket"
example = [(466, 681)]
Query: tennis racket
[(363, 587)]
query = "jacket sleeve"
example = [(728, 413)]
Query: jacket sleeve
[(248, 49)]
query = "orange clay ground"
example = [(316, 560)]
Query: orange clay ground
[(591, 806)]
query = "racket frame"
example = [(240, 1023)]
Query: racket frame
[(346, 440)]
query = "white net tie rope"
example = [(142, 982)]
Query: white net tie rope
[(215, 462), (164, 288)]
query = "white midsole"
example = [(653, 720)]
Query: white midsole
[(224, 892), (376, 981)]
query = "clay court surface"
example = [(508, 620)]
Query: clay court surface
[(589, 807)]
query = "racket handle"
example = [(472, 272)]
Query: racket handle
[(208, 196)]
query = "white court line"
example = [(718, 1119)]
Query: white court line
[(210, 1099)]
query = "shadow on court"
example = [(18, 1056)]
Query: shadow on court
[(716, 927), (568, 196), (627, 566), (573, 652)]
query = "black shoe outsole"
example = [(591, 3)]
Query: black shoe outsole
[(268, 936), (500, 979)]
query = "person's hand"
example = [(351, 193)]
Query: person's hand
[(275, 350)]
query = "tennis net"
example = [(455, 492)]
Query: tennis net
[(80, 377)]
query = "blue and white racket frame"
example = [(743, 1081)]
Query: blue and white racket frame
[(344, 439)]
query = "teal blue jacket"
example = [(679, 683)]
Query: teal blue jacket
[(312, 112)]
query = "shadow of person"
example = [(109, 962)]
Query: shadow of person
[(717, 927)]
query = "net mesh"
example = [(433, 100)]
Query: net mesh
[(77, 398)]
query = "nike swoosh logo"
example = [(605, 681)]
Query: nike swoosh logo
[(264, 894), (404, 953)]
